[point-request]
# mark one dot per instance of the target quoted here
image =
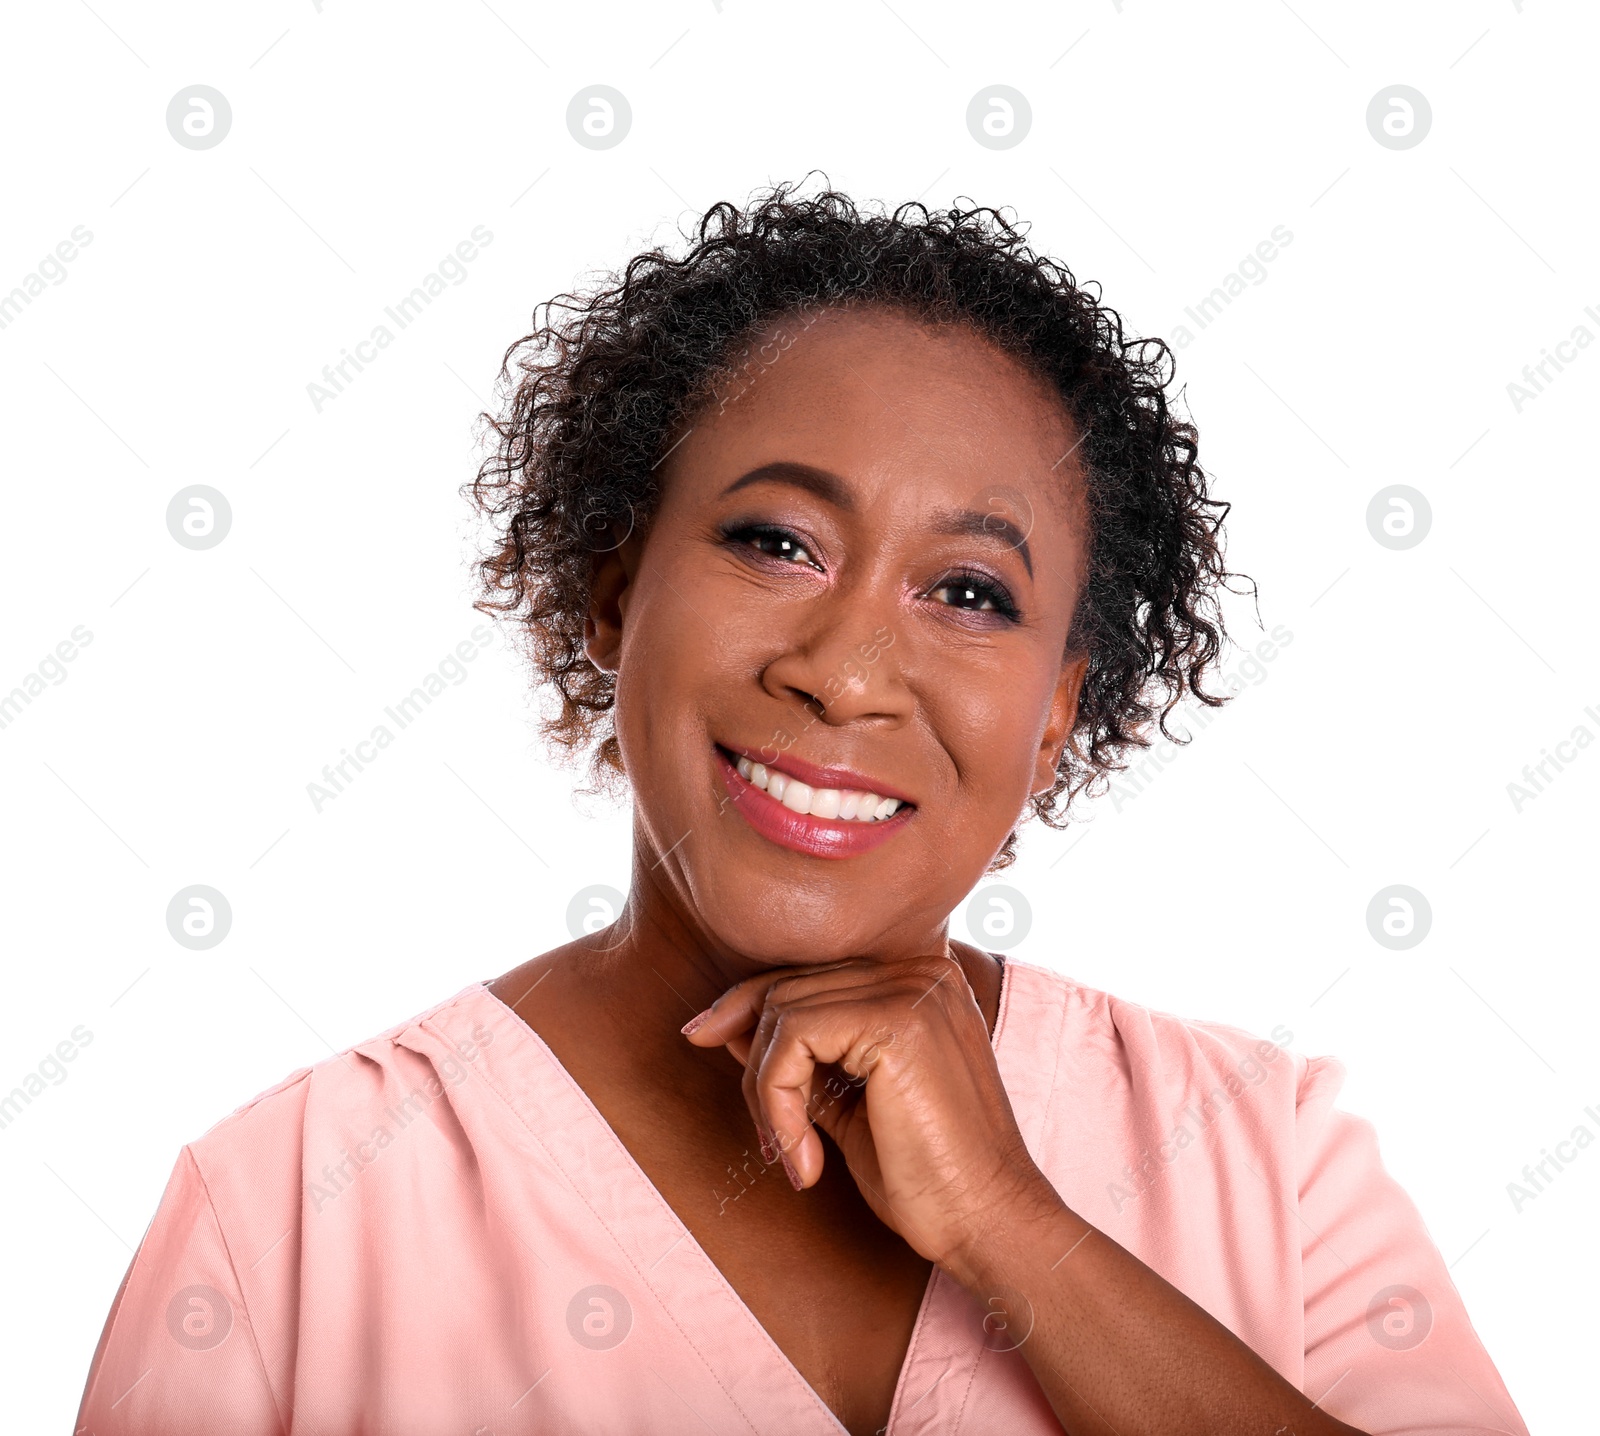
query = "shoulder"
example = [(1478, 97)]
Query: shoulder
[(1149, 1117), (264, 1139), (1156, 1058), (1035, 994)]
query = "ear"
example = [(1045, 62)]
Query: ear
[(610, 589), (1058, 726)]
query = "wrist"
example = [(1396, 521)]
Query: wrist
[(1009, 1230)]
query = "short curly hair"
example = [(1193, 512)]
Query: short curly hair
[(607, 379)]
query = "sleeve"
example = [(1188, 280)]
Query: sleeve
[(178, 1356), (1389, 1346)]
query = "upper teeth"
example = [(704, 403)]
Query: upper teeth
[(848, 804)]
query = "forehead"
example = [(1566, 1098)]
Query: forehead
[(874, 393)]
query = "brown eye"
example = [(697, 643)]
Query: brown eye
[(977, 594), (772, 541)]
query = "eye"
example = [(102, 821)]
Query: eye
[(772, 541), (977, 593)]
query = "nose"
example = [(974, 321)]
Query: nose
[(842, 660)]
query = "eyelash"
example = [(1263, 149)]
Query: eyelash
[(979, 583)]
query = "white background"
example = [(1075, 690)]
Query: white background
[(1167, 140)]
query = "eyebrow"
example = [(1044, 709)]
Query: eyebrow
[(831, 489)]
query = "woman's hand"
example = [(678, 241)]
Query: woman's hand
[(894, 1062)]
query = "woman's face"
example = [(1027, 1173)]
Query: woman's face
[(861, 572)]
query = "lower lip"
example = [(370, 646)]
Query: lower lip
[(805, 833)]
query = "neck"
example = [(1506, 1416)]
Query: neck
[(631, 986), (662, 964)]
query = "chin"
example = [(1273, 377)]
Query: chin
[(788, 931)]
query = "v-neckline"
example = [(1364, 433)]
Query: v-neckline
[(940, 1288)]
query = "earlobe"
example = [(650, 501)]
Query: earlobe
[(610, 583), (1048, 772), (1063, 718), (599, 648)]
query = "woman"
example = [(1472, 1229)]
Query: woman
[(844, 539)]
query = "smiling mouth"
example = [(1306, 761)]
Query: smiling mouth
[(821, 821), (849, 805)]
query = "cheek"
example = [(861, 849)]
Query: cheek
[(990, 724), (678, 654)]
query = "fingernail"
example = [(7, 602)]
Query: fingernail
[(694, 1024), (769, 1150), (794, 1176)]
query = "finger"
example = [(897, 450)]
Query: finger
[(837, 1103), (831, 1088), (916, 978), (739, 1046), (747, 1086), (746, 1047), (776, 1145), (786, 1111), (848, 1123), (739, 1008), (803, 1038)]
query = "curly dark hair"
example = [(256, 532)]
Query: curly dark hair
[(607, 379)]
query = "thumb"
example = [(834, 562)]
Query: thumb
[(837, 1100)]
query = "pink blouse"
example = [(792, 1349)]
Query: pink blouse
[(437, 1232)]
